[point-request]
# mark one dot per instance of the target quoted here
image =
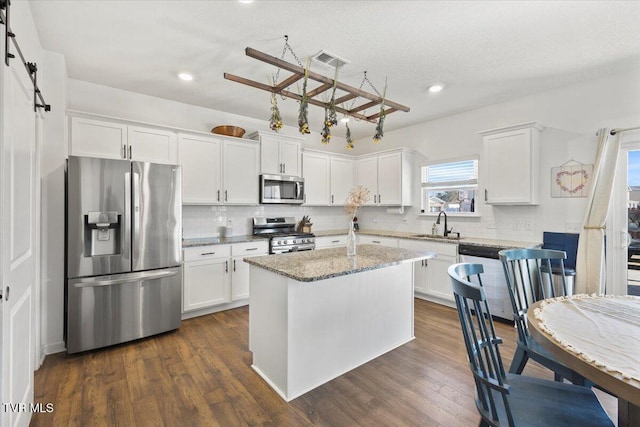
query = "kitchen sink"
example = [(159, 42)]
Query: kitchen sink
[(435, 236)]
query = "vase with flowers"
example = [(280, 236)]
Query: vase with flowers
[(357, 197)]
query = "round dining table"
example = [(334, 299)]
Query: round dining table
[(598, 337)]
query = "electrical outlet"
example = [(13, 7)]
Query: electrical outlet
[(529, 225), (518, 224), (491, 225)]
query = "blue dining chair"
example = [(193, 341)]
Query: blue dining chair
[(530, 277), (505, 399)]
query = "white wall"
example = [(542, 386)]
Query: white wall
[(571, 116), (54, 153)]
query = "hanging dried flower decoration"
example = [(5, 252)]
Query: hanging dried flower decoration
[(380, 125), (350, 142), (326, 129), (303, 121), (331, 118), (275, 122)]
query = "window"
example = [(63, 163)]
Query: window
[(450, 186)]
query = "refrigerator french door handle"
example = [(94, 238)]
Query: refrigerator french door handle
[(125, 242), (91, 283), (136, 213)]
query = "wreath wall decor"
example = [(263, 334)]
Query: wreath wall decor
[(571, 180)]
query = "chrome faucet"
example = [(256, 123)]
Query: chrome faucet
[(446, 229)]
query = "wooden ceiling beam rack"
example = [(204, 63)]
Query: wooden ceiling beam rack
[(326, 83)]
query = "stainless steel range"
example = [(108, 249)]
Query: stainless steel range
[(282, 234)]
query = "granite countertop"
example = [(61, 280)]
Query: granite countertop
[(495, 243), (310, 266), (476, 241), (206, 241)]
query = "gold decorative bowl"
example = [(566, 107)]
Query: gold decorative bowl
[(228, 131)]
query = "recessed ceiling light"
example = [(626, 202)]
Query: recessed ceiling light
[(245, 1), (185, 76), (436, 88)]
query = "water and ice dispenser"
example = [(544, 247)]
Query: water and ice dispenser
[(102, 233)]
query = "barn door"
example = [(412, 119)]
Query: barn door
[(17, 237)]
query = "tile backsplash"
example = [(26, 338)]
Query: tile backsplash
[(509, 223), (206, 221)]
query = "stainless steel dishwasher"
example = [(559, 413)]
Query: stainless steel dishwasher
[(493, 279)]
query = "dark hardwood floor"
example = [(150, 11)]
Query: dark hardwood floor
[(201, 375)]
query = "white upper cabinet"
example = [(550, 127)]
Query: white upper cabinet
[(280, 154), (152, 145), (511, 164), (366, 171), (241, 173), (113, 140), (388, 176), (219, 169), (200, 157), (315, 171), (97, 138), (328, 178), (341, 179)]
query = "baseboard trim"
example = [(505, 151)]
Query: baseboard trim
[(57, 347)]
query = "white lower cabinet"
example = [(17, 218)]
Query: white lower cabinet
[(365, 239), (240, 269), (430, 276), (217, 274), (206, 277), (331, 241)]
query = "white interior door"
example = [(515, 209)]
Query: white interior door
[(17, 234)]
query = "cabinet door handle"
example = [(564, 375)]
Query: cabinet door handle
[(218, 195), (426, 263), (375, 199), (375, 241), (123, 151), (335, 241), (485, 194), (422, 263), (284, 168), (225, 195), (207, 253), (130, 151), (332, 198), (251, 249), (379, 198), (234, 265), (226, 266)]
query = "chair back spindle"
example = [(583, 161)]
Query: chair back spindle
[(506, 399)]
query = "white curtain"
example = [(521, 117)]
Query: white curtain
[(590, 263)]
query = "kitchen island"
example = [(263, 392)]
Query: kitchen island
[(316, 315)]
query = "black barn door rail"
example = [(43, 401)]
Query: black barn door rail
[(31, 67)]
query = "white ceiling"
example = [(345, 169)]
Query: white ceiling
[(484, 52)]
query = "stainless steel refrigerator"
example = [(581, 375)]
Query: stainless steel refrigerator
[(123, 251)]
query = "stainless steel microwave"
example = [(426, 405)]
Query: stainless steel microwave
[(281, 189)]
